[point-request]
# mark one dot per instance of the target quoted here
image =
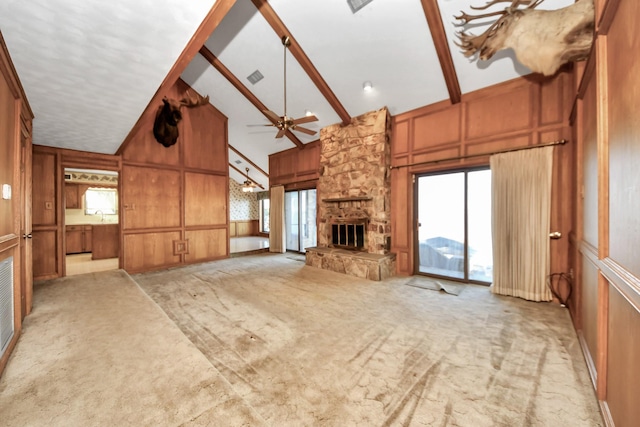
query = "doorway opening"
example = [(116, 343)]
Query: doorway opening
[(92, 225), (300, 209), (454, 226)]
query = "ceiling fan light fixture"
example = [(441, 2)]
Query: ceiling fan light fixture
[(367, 86), (247, 186)]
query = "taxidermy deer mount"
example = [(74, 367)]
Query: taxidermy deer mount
[(165, 126), (543, 40)]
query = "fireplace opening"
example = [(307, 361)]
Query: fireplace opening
[(349, 236)]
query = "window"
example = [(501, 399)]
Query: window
[(264, 215), (101, 200)]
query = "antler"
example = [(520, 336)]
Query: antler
[(466, 18), (194, 101), (469, 43)]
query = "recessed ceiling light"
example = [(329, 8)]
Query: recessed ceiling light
[(308, 113), (367, 86)]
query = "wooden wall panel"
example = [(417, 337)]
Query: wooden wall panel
[(295, 167), (8, 132), (438, 128), (151, 197), (173, 198), (207, 244), (15, 149), (589, 188), (45, 254), (623, 372), (624, 137), (552, 94), (400, 138), (501, 113), (205, 140), (497, 145), (206, 199), (589, 296), (149, 251), (44, 188)]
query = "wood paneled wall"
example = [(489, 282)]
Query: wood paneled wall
[(296, 168), (175, 200), (607, 233), (15, 212), (522, 112), (242, 228)]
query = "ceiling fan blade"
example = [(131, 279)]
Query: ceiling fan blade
[(281, 133), (305, 119), (266, 124), (305, 130), (271, 115)]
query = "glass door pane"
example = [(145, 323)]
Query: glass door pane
[(441, 232), (479, 226), (291, 219), (308, 228)]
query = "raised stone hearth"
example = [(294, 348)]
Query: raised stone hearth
[(353, 263), (354, 188)]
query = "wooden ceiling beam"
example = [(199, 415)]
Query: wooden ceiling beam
[(281, 30), (434, 20), (217, 13), (235, 82), (246, 159)]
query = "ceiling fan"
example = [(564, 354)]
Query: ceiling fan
[(284, 122), (248, 185)]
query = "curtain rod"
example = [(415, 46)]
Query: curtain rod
[(508, 150)]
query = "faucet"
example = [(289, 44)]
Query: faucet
[(101, 215)]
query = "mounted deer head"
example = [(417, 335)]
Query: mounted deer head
[(543, 40), (165, 126)]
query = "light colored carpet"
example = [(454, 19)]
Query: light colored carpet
[(309, 347), (96, 351)]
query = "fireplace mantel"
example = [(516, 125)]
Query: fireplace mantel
[(348, 199)]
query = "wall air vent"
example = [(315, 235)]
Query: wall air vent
[(6, 303), (356, 5), (256, 76)]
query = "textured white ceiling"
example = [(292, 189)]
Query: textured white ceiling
[(90, 67)]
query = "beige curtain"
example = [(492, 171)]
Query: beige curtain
[(277, 236), (521, 213)]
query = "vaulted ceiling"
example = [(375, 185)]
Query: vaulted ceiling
[(90, 68)]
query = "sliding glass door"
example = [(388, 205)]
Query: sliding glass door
[(300, 219), (454, 225)]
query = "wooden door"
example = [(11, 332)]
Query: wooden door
[(26, 245)]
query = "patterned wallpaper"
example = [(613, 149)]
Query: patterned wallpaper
[(242, 206)]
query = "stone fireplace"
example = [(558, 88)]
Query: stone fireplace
[(354, 231)]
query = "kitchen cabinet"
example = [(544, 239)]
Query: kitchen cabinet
[(72, 197), (106, 241), (79, 238)]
